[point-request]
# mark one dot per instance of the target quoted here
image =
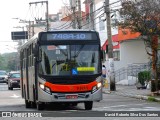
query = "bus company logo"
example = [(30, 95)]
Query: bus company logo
[(82, 88), (71, 88)]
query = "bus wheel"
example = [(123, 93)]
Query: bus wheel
[(88, 105), (9, 88), (27, 103), (34, 105), (40, 105)]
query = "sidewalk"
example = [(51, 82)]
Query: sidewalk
[(131, 91)]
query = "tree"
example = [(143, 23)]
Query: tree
[(1, 62), (9, 61), (143, 16)]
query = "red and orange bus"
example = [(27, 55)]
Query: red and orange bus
[(63, 67)]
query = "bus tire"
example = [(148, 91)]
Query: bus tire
[(11, 88), (88, 105), (40, 105), (34, 99), (34, 105), (27, 103)]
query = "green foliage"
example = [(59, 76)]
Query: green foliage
[(152, 99), (9, 61), (141, 16), (144, 76), (1, 62)]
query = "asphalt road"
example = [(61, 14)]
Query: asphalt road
[(11, 101)]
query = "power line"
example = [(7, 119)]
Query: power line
[(112, 3), (63, 24), (67, 26), (101, 8), (93, 19), (66, 6), (9, 41), (99, 11), (81, 17)]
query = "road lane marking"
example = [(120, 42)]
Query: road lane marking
[(119, 106), (15, 96)]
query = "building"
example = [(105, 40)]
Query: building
[(128, 48)]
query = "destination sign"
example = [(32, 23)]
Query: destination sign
[(71, 36)]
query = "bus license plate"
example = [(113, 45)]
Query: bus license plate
[(71, 97)]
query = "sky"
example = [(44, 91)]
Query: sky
[(21, 9)]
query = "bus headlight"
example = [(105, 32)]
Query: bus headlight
[(41, 86), (45, 88), (98, 86)]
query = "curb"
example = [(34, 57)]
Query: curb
[(133, 96)]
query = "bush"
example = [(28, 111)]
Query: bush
[(152, 99), (144, 76)]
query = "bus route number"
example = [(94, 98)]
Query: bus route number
[(69, 36)]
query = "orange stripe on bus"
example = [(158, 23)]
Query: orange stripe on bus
[(71, 88)]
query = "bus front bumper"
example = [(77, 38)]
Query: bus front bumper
[(70, 97)]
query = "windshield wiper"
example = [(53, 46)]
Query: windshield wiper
[(78, 51), (59, 62)]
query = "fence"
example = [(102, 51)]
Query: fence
[(131, 71)]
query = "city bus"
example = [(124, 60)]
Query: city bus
[(61, 66)]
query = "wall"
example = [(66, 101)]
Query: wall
[(133, 51)]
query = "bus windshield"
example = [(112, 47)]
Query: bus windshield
[(66, 60)]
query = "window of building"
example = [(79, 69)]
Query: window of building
[(116, 55)]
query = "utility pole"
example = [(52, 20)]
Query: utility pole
[(47, 17), (73, 7), (74, 17), (30, 27), (92, 7), (110, 47), (79, 15)]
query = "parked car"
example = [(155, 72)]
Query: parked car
[(3, 76), (14, 81)]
